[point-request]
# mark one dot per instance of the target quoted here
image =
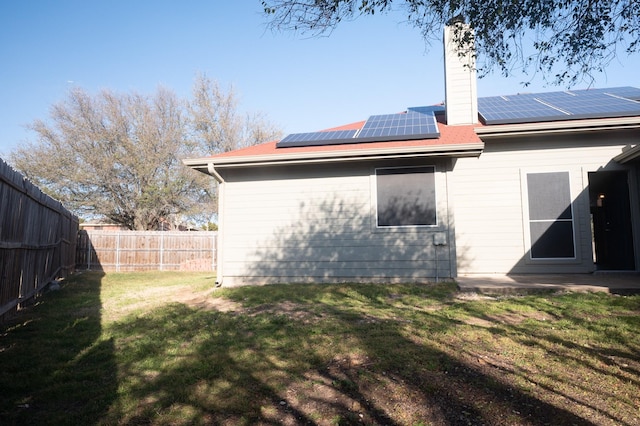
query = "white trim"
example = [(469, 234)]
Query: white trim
[(221, 235), (458, 150)]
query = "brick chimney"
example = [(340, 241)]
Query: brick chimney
[(461, 93)]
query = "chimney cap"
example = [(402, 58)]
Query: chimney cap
[(458, 19)]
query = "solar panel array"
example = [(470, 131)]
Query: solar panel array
[(416, 123), (428, 109), (421, 123), (389, 127), (554, 106), (624, 92), (317, 138)]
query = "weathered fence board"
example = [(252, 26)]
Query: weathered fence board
[(146, 250), (37, 239)]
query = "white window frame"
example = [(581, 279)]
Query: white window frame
[(527, 220), (405, 227)]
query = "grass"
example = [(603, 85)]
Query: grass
[(166, 348)]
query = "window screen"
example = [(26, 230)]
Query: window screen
[(406, 196), (550, 216)]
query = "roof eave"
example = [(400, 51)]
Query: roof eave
[(628, 155), (566, 126), (472, 149)]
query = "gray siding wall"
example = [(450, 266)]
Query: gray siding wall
[(490, 199), (316, 223)]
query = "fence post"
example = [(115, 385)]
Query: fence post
[(118, 251), (88, 242), (161, 249), (214, 237)]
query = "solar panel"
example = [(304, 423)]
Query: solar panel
[(420, 122), (416, 123), (408, 126), (588, 104), (427, 109), (628, 92), (555, 106), (513, 109), (333, 137)]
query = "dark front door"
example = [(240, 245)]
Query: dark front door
[(611, 213)]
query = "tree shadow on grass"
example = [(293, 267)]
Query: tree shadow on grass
[(188, 366), (332, 240), (333, 357), (56, 366), (322, 354), (605, 356), (454, 391)]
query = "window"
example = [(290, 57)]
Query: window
[(550, 216), (406, 196)]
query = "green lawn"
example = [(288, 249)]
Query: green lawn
[(168, 349)]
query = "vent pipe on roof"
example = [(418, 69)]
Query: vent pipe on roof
[(461, 93)]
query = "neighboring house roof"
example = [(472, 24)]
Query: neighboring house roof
[(101, 226)]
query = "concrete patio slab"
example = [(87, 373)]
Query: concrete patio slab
[(611, 282)]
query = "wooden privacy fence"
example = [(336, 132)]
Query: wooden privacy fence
[(37, 239), (146, 250)]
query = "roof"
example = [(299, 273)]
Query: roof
[(584, 110), (452, 140), (613, 102)]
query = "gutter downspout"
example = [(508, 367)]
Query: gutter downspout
[(220, 242), (211, 169)]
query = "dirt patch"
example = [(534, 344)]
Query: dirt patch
[(473, 296), (206, 300), (294, 311), (350, 390), (511, 318)]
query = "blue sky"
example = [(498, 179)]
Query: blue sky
[(369, 66)]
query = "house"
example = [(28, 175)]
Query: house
[(100, 226), (529, 183)]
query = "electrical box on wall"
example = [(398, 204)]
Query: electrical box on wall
[(440, 239)]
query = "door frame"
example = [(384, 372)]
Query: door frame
[(611, 220)]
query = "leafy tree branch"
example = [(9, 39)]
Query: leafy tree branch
[(565, 41)]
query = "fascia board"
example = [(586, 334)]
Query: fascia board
[(567, 126), (471, 149), (628, 155)]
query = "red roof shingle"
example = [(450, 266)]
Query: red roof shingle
[(449, 136)]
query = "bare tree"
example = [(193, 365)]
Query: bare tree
[(118, 156), (570, 41), (217, 126)]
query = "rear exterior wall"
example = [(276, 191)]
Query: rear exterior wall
[(317, 223), (490, 199)]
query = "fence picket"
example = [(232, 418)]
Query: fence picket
[(146, 250), (40, 242), (37, 239)]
